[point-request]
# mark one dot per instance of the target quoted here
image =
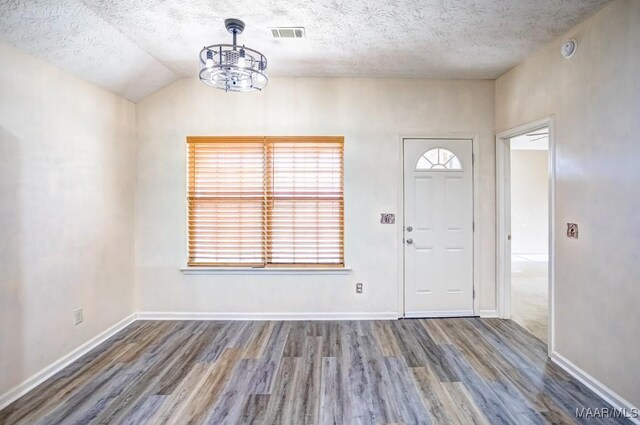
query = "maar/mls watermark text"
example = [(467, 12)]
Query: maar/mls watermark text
[(606, 412)]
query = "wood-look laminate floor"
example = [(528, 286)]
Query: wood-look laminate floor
[(437, 371)]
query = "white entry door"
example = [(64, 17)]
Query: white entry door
[(438, 209)]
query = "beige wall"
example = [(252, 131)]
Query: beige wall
[(529, 202), (595, 97), (372, 115), (66, 213)]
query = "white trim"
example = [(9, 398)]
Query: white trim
[(503, 215), (476, 184), (178, 315), (429, 314), (552, 234), (265, 270), (476, 230), (400, 230), (601, 390), (487, 314), (55, 367), (503, 220)]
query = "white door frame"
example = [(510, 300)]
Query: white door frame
[(503, 225), (476, 213)]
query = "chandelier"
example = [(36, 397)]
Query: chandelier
[(231, 67)]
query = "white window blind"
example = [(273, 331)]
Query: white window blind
[(266, 201)]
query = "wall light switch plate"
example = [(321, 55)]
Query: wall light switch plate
[(387, 218), (572, 230)]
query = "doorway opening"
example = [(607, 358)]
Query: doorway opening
[(530, 231), (525, 193)]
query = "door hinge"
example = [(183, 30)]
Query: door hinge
[(473, 292), (473, 226)]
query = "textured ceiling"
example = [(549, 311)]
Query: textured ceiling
[(133, 48)]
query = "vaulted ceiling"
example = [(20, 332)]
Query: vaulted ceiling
[(134, 48)]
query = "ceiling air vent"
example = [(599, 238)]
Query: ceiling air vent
[(289, 32)]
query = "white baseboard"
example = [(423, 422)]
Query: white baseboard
[(594, 385), (152, 315), (489, 313), (55, 367)]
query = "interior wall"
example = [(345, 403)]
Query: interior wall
[(66, 215), (372, 115), (529, 202), (595, 98)]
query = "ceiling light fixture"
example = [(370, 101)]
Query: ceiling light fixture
[(231, 67)]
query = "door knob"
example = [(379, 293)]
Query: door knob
[(409, 228), (409, 241)]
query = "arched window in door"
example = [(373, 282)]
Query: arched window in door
[(438, 159)]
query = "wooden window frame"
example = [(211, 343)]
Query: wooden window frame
[(268, 197)]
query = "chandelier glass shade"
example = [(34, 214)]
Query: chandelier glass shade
[(231, 67)]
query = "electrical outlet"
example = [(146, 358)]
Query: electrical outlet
[(359, 288), (77, 316)]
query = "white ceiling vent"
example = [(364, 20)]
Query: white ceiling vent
[(288, 32)]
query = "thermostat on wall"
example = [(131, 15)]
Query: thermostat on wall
[(568, 48)]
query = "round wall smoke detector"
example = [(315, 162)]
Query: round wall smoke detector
[(569, 48)]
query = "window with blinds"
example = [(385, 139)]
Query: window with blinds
[(266, 201)]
